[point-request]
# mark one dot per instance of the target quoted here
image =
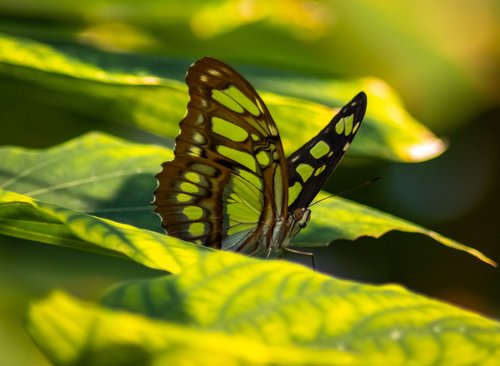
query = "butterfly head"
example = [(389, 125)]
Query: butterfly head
[(297, 220), (301, 216)]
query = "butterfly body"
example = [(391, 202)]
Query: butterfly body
[(230, 186)]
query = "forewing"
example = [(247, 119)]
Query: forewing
[(310, 166), (228, 176)]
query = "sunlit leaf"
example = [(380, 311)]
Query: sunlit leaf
[(60, 325), (96, 174), (23, 217), (404, 138), (120, 94), (338, 218), (222, 308), (277, 303), (114, 179)]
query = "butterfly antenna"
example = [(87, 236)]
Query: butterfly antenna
[(355, 188)]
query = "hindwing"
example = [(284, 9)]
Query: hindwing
[(311, 165)]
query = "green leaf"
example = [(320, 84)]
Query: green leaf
[(404, 138), (96, 174), (113, 179), (61, 325), (23, 217), (121, 94), (271, 304), (338, 218)]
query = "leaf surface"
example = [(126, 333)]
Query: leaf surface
[(23, 217), (138, 96), (114, 179), (270, 306)]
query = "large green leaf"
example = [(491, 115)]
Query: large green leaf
[(62, 81), (114, 179), (333, 36), (255, 312), (23, 217), (403, 138), (78, 82), (95, 174), (61, 325), (344, 219)]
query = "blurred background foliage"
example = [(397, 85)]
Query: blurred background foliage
[(443, 58)]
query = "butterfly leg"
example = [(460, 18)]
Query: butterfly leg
[(299, 252)]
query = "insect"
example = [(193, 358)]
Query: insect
[(230, 185)]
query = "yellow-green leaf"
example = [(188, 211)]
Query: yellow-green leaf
[(61, 325), (23, 217), (120, 94), (114, 179), (339, 218), (271, 303)]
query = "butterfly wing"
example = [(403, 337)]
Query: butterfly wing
[(227, 184), (311, 165)]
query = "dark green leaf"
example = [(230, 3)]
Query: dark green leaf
[(114, 179)]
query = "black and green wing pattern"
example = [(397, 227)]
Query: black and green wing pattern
[(310, 166), (229, 185), (226, 186)]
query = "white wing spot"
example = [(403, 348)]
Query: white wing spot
[(203, 78), (198, 138), (203, 103), (214, 72)]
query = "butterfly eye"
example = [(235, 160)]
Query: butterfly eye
[(302, 216)]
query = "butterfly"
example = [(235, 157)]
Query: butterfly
[(230, 185)]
